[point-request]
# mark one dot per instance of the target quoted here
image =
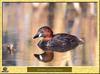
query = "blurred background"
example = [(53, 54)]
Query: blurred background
[(22, 20)]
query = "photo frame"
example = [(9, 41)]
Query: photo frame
[(44, 68)]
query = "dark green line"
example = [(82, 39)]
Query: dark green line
[(49, 69)]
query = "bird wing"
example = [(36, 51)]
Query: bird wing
[(63, 42), (59, 40)]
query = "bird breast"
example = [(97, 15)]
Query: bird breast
[(43, 45)]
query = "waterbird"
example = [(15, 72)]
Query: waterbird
[(51, 43)]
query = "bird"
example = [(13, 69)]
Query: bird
[(10, 49), (51, 43)]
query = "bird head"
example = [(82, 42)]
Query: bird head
[(44, 31)]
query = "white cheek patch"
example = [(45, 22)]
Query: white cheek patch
[(40, 56), (40, 35), (11, 46)]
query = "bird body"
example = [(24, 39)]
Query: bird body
[(61, 42)]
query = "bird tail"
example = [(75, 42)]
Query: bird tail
[(81, 41)]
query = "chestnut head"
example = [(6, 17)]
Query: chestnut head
[(44, 31)]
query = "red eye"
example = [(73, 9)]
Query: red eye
[(47, 30)]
